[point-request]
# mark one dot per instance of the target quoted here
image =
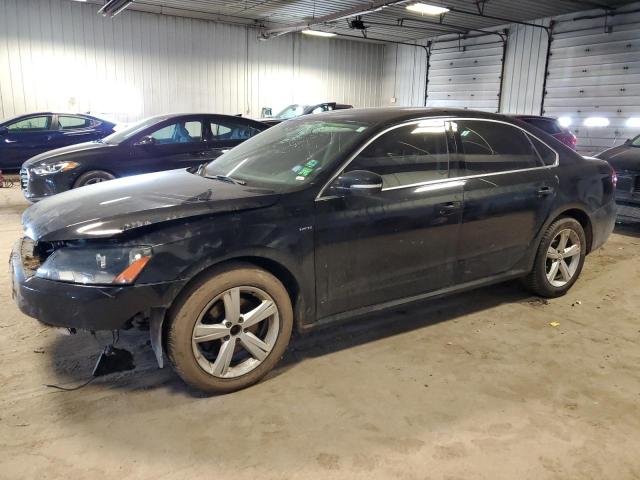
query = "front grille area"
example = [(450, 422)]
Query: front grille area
[(24, 178), (30, 258), (629, 211)]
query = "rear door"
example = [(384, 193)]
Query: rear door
[(509, 190), (399, 242), (175, 143), (73, 129), (225, 133), (25, 138)]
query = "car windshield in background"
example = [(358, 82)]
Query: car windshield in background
[(121, 135), (291, 111), (636, 142), (288, 155)]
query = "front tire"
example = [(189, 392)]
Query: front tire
[(559, 259), (92, 177), (229, 329)]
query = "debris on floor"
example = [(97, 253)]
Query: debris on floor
[(554, 324)]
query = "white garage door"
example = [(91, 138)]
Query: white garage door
[(594, 79), (466, 74)]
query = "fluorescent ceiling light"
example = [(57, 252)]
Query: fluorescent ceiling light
[(565, 121), (633, 122), (427, 9), (318, 33), (596, 122)]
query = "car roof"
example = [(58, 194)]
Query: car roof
[(393, 115), (523, 117)]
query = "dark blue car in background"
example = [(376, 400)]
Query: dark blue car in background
[(27, 135)]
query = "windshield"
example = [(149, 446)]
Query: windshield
[(291, 111), (289, 155), (636, 142), (126, 133)]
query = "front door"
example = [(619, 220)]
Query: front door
[(508, 195), (399, 242), (24, 139), (174, 144)]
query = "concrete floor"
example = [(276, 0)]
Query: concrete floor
[(478, 386)]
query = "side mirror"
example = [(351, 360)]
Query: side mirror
[(4, 130), (357, 182), (145, 141)]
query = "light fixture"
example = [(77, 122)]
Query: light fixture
[(596, 122), (565, 121), (427, 9), (114, 7), (318, 33), (633, 122)]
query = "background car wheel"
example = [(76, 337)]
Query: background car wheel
[(559, 259), (94, 176), (228, 330)]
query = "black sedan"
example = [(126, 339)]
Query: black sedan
[(316, 220), (625, 159), (28, 135), (164, 142), (297, 110)]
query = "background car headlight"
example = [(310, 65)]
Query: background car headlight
[(107, 265), (49, 168)]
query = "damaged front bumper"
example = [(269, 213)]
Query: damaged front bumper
[(89, 307)]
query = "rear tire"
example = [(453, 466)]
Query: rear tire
[(559, 259), (229, 329), (93, 176)]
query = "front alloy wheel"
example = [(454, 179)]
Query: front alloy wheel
[(229, 328), (235, 332)]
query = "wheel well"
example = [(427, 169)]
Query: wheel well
[(275, 268), (90, 170), (584, 220)]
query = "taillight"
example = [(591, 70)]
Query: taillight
[(614, 177)]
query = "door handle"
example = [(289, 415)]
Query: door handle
[(544, 191), (449, 208)]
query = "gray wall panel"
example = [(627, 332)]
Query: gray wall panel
[(61, 55)]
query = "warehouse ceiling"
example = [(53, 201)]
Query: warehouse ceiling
[(391, 21)]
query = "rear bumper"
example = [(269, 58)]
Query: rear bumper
[(87, 307), (603, 222)]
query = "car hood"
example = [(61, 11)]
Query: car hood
[(89, 147), (108, 209), (623, 157)]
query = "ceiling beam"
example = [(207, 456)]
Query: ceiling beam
[(363, 9)]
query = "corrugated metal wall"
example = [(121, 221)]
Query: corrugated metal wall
[(61, 55), (524, 69), (404, 75), (594, 71)]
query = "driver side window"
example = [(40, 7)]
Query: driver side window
[(31, 124), (407, 155)]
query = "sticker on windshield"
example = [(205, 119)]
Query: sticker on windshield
[(305, 171), (311, 163), (297, 168), (300, 178)]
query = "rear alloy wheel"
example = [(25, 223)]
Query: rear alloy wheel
[(93, 177), (229, 330), (559, 259)]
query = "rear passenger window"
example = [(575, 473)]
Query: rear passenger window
[(232, 131), (547, 155), (492, 147), (68, 123), (407, 155)]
